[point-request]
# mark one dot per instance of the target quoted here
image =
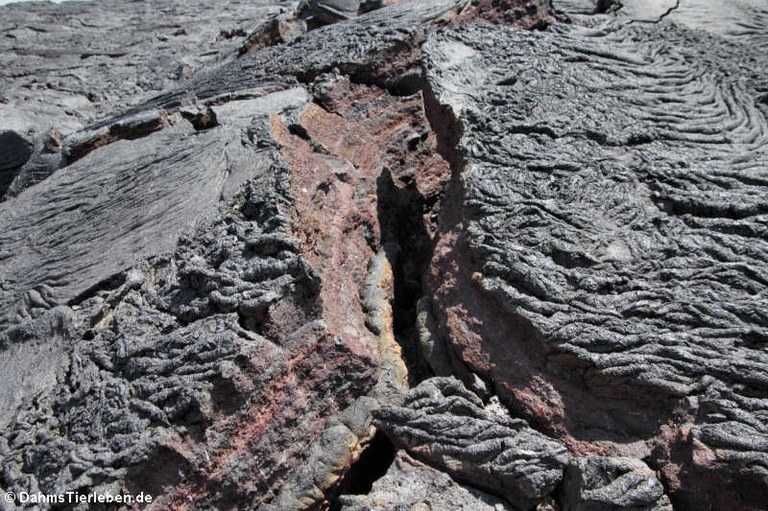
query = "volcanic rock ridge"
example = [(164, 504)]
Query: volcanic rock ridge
[(371, 255)]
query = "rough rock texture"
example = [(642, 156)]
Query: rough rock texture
[(410, 485), (331, 11), (181, 376), (446, 425), (233, 237), (197, 304), (742, 20), (610, 484), (83, 60), (603, 261), (103, 216), (64, 66)]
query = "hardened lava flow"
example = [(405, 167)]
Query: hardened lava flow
[(340, 255)]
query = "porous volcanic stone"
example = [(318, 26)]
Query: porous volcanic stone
[(603, 258), (597, 483), (232, 236), (64, 66), (447, 426), (411, 485)]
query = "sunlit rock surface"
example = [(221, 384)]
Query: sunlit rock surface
[(603, 265), (238, 243)]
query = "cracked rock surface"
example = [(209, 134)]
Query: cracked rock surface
[(447, 426), (345, 255), (606, 252), (62, 67), (602, 483), (410, 484)]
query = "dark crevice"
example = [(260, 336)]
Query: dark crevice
[(407, 83), (231, 34), (607, 6), (320, 15), (670, 10), (16, 151), (106, 285), (131, 127), (635, 139), (401, 212), (299, 131), (372, 464), (661, 17), (201, 118)]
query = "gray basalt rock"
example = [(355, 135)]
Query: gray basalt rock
[(143, 380), (411, 485), (346, 47), (611, 484), (65, 66), (155, 378), (447, 426), (163, 328), (217, 225), (102, 216), (741, 20), (330, 11), (607, 251), (79, 61)]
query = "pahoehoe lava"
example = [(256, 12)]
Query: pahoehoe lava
[(372, 255)]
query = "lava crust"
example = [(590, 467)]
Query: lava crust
[(342, 255)]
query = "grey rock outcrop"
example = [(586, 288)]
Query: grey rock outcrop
[(330, 11), (151, 379), (233, 238), (93, 207), (171, 324), (607, 252), (745, 21), (410, 485), (447, 426), (612, 484), (63, 67)]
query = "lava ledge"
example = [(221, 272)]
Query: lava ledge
[(604, 266), (447, 426), (410, 484)]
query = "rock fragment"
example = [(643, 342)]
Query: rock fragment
[(322, 12), (412, 485), (603, 266), (595, 483), (447, 426)]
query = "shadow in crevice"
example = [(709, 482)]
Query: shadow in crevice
[(401, 210), (373, 463)]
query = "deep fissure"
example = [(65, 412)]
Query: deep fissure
[(401, 212), (407, 223), (403, 215), (372, 464)]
